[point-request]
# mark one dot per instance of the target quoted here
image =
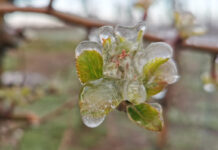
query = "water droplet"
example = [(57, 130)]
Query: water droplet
[(91, 122), (87, 46)]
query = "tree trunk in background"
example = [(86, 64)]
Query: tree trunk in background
[(6, 39)]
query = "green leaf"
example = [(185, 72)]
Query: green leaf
[(150, 68), (89, 66), (146, 116)]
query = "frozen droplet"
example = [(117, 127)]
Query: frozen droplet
[(168, 72), (209, 87), (134, 91), (92, 122), (160, 95), (87, 46), (97, 98)]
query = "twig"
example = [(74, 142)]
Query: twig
[(69, 18), (89, 23), (50, 4), (213, 66)]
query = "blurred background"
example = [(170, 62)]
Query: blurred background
[(39, 86)]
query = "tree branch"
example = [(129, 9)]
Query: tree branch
[(69, 18), (89, 23)]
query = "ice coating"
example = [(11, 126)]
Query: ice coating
[(185, 22), (134, 91), (157, 106), (168, 72), (123, 77), (86, 46), (97, 99), (118, 58), (130, 33), (106, 32), (160, 95), (159, 109), (94, 35), (158, 49), (91, 122)]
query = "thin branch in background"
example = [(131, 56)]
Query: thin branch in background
[(68, 18), (90, 23), (213, 66)]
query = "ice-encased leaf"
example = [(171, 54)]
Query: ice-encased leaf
[(130, 38), (164, 75), (183, 19), (146, 116), (89, 65), (106, 32), (154, 50), (97, 99), (88, 46), (158, 49), (168, 72), (130, 33), (155, 86), (151, 67), (134, 91), (186, 26)]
